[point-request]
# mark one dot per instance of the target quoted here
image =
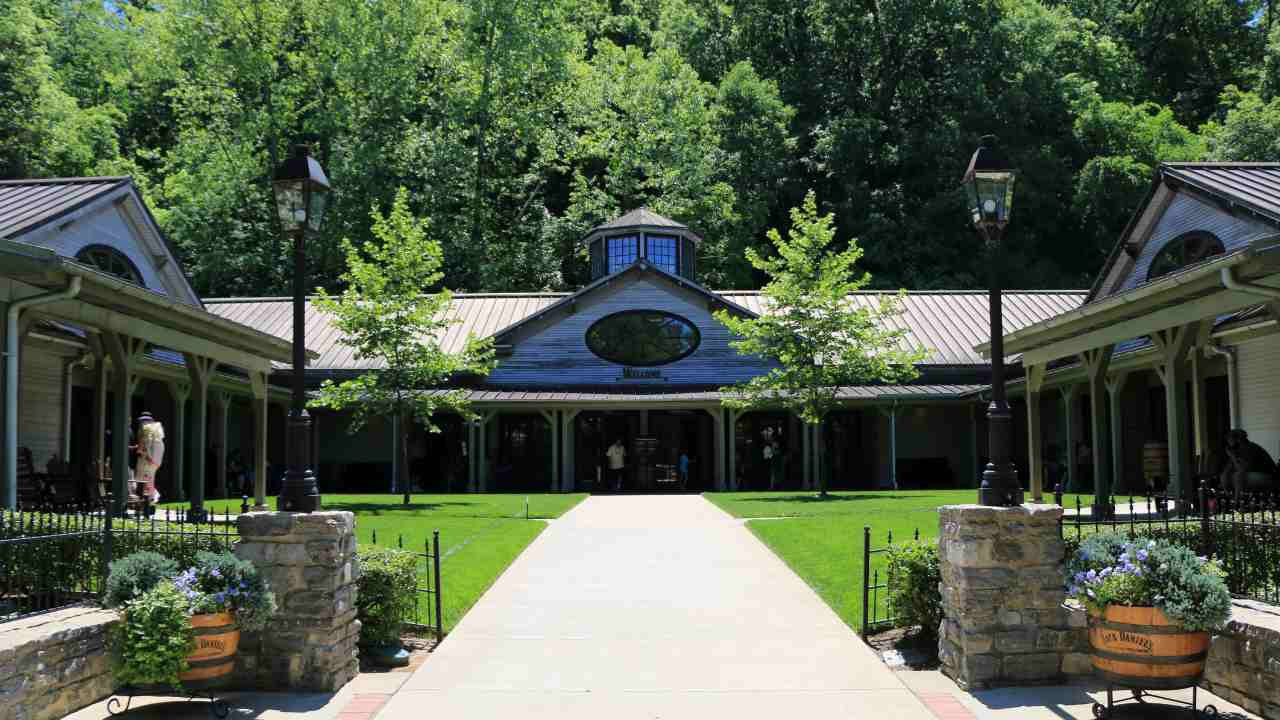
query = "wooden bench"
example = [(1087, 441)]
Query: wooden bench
[(31, 485)]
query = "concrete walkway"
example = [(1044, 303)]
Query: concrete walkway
[(651, 607)]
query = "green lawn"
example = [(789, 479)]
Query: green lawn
[(821, 540), (480, 535)]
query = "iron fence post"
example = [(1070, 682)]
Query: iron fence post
[(435, 566), (1205, 539), (866, 575), (108, 543)]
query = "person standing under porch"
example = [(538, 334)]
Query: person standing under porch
[(617, 456)]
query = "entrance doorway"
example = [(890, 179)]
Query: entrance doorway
[(653, 442)]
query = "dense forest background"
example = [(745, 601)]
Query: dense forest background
[(516, 125)]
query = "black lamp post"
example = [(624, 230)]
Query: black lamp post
[(301, 190), (988, 185)]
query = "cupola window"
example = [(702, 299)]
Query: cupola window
[(622, 252), (661, 251), (112, 262), (644, 235), (1186, 249)]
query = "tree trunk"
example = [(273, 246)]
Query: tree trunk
[(403, 466)]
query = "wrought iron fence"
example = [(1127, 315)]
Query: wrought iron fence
[(49, 560), (428, 605), (876, 611), (1239, 532)]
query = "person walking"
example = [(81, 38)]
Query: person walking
[(617, 456)]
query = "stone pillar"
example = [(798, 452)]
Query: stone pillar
[(310, 563), (1002, 617)]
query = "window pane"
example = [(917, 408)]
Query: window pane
[(643, 337), (662, 252), (622, 252)]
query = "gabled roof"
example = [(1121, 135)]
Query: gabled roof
[(948, 323), (26, 205), (1253, 186), (643, 219), (640, 266)]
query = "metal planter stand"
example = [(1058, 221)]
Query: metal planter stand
[(1101, 711), (218, 707)]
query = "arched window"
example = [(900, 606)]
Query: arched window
[(1186, 249), (111, 261)]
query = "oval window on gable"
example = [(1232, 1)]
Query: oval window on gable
[(643, 337), (1186, 249), (112, 262)]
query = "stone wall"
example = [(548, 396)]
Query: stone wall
[(310, 562), (1244, 660), (54, 664), (1002, 617)]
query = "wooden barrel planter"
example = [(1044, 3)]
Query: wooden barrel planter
[(1140, 648), (213, 659)]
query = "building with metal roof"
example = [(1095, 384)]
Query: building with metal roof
[(100, 324), (636, 357), (1176, 345)]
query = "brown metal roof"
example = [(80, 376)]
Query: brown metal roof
[(640, 216), (1253, 185), (872, 393), (28, 204), (947, 324), (481, 315)]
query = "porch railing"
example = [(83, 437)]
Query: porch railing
[(1240, 532)]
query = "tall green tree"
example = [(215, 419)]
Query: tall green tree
[(387, 319), (818, 337)]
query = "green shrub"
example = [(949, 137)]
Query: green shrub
[(134, 575), (153, 639), (913, 577), (387, 587)]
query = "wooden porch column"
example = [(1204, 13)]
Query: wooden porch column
[(100, 387), (198, 369), (717, 443), (893, 446), (1070, 393), (176, 438), (553, 420), (258, 380), (482, 457), (222, 407), (568, 471), (472, 480), (1035, 432), (1096, 363), (124, 352), (1173, 345), (1115, 397), (732, 419), (1199, 411)]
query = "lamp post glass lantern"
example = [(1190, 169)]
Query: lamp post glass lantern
[(301, 190), (988, 185)]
